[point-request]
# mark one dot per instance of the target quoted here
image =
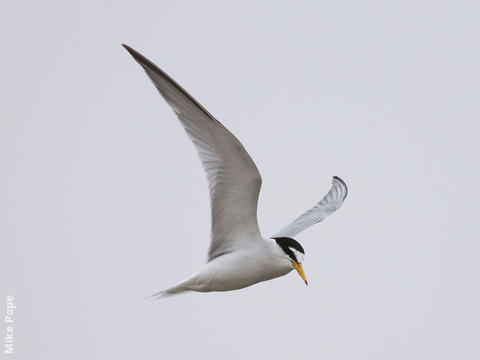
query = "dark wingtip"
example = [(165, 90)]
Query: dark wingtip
[(138, 57), (343, 182), (133, 52), (128, 48), (339, 179), (306, 282)]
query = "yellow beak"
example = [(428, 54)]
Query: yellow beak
[(299, 269)]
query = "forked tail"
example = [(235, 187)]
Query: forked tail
[(177, 289)]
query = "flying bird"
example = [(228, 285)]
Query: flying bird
[(238, 255)]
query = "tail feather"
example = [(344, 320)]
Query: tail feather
[(177, 289)]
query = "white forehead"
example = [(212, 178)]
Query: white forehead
[(300, 257)]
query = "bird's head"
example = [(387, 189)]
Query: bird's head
[(294, 254)]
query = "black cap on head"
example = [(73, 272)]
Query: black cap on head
[(286, 243)]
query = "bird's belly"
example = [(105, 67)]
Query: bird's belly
[(237, 272)]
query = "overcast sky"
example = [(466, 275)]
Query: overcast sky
[(103, 200)]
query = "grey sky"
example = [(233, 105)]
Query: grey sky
[(103, 200)]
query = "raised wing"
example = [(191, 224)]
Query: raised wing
[(233, 178), (330, 202)]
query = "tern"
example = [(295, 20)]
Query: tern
[(238, 255)]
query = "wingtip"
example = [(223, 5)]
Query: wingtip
[(338, 178), (343, 183), (145, 62), (132, 51)]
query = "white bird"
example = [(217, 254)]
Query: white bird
[(238, 256)]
